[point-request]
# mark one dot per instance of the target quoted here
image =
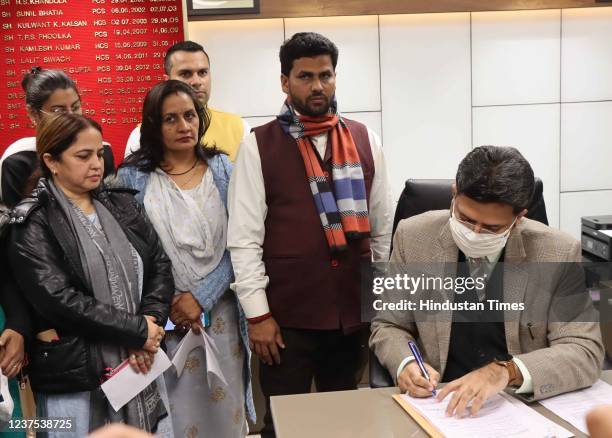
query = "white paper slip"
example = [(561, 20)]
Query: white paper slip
[(212, 364), (127, 384), (574, 406), (499, 417), (191, 341), (187, 344)]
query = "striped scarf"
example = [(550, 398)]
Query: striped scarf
[(343, 208)]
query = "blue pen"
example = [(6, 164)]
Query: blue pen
[(419, 360)]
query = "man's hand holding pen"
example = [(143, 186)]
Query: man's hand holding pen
[(412, 381)]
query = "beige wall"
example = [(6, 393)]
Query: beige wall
[(435, 85)]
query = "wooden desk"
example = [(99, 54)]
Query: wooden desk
[(370, 413)]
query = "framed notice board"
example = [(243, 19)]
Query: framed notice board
[(214, 7), (113, 49)]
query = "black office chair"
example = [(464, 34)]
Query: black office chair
[(419, 196)]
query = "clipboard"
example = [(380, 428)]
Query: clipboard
[(425, 424)]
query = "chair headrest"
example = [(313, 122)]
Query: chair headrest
[(421, 195)]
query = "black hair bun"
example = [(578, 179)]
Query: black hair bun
[(27, 78)]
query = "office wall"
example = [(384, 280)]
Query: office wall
[(435, 85)]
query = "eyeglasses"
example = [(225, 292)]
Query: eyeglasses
[(61, 110), (484, 229)]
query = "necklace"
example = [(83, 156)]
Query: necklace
[(185, 172), (188, 180)]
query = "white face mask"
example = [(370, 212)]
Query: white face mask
[(477, 245)]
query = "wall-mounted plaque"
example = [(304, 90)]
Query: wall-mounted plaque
[(222, 7), (113, 49)]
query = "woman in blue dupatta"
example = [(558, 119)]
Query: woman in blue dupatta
[(183, 187)]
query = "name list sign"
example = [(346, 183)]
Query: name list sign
[(113, 49)]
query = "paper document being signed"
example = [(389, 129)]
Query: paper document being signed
[(501, 416)]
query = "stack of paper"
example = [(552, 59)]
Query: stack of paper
[(574, 406), (501, 416)]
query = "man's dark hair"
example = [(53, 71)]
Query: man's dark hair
[(496, 174), (306, 45), (182, 46)]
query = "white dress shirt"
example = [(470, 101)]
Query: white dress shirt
[(247, 212)]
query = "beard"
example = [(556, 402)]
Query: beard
[(306, 108)]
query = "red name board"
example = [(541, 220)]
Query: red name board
[(113, 49)]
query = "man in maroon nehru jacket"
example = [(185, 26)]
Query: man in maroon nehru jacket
[(309, 201)]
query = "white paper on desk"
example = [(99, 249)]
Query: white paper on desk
[(127, 384), (497, 418), (574, 406), (192, 341), (546, 427)]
